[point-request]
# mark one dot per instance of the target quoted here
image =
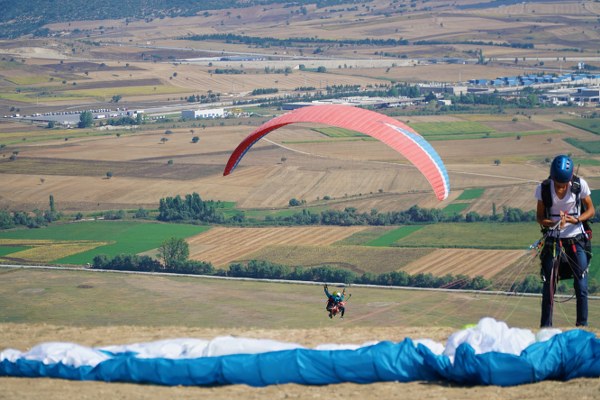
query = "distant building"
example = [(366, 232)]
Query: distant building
[(203, 114), (443, 88), (587, 95)]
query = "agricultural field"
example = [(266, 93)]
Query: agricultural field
[(221, 245), (79, 242), (589, 124), (457, 249)]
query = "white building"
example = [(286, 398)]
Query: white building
[(203, 114)]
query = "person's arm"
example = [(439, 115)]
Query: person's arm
[(326, 291), (590, 212), (541, 216)]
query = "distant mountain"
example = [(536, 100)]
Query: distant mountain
[(18, 17)]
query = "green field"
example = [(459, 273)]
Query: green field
[(391, 237), (87, 298), (461, 130), (589, 146), (596, 197), (5, 250), (124, 237), (335, 132), (588, 124), (430, 129), (471, 194), (478, 235), (455, 208)]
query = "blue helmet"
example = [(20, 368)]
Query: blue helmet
[(561, 169)]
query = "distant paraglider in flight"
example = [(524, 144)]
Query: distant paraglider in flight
[(390, 131)]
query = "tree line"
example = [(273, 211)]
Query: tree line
[(265, 41), (260, 269), (195, 210), (35, 219)]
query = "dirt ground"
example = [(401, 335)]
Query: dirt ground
[(22, 337)]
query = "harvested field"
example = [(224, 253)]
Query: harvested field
[(156, 170), (114, 84), (521, 196), (359, 259), (221, 245), (314, 168), (470, 262)]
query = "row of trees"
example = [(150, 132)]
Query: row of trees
[(261, 41), (35, 219), (414, 215), (134, 262), (193, 209), (267, 270)]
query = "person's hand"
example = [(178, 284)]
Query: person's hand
[(563, 219), (325, 286)]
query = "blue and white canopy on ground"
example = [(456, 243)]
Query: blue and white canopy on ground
[(487, 354)]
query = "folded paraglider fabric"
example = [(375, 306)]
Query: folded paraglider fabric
[(487, 354)]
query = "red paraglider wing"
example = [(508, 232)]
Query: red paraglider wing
[(390, 131)]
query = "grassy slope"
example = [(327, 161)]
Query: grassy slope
[(86, 298)]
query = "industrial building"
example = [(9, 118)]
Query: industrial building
[(203, 114)]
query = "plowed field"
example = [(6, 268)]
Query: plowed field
[(222, 245), (486, 263)]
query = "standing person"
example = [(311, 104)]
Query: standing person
[(563, 204), (335, 300)]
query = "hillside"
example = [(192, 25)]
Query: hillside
[(22, 18)]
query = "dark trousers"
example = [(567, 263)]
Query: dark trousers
[(574, 260)]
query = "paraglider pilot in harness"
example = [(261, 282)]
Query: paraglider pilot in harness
[(564, 206), (335, 300)]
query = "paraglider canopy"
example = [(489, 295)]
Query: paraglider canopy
[(390, 131)]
